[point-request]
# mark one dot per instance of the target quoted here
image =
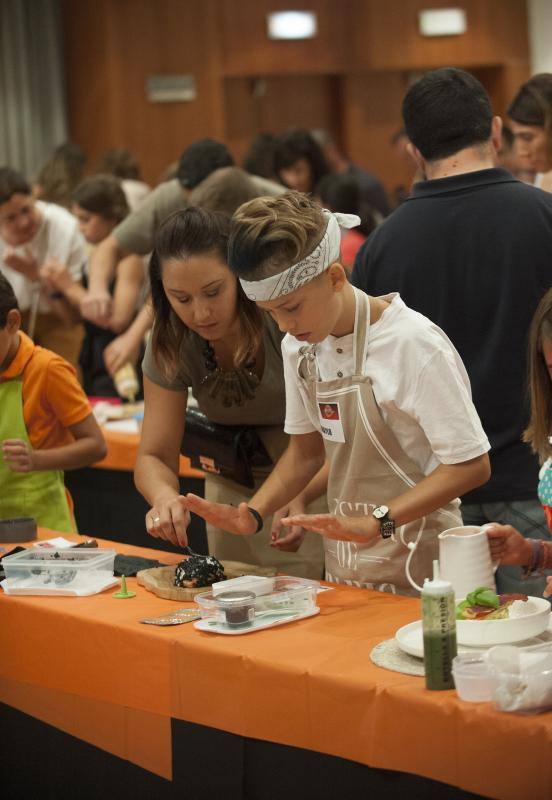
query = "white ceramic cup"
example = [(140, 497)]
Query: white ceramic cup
[(465, 559)]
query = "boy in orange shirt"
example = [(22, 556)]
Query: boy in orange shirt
[(46, 425)]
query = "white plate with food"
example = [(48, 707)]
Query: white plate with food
[(527, 619), (484, 618)]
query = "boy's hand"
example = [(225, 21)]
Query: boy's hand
[(97, 307), (548, 588), (238, 520), (351, 529), (56, 274), (291, 538), (19, 456), (508, 545), (27, 265)]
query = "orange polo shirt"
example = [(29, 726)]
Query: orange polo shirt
[(53, 399)]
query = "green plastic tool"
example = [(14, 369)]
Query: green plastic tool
[(123, 593)]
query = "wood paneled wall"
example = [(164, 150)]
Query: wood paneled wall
[(111, 48), (350, 79)]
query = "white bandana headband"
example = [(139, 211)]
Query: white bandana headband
[(322, 257)]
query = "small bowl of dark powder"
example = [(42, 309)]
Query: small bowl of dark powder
[(238, 607)]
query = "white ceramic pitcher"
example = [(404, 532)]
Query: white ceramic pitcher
[(465, 559)]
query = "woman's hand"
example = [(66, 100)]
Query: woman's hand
[(119, 352), (351, 529), (548, 588), (508, 545), (290, 539), (237, 520), (19, 456), (169, 519)]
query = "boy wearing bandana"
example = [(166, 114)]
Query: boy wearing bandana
[(403, 441)]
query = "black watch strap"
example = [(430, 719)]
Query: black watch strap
[(387, 528), (258, 519)]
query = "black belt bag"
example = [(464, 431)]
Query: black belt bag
[(231, 451)]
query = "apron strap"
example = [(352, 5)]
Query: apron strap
[(362, 328)]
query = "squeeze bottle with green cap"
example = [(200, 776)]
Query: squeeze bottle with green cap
[(439, 627)]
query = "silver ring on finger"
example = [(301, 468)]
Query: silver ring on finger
[(156, 520)]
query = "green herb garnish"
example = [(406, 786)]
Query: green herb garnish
[(483, 596)]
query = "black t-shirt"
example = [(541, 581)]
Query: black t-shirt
[(473, 252)]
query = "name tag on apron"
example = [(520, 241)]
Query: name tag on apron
[(331, 427)]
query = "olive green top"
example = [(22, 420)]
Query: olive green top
[(266, 409)]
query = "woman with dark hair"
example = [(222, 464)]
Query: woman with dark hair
[(210, 340), (299, 162), (530, 119)]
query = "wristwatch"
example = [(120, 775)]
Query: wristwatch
[(387, 525)]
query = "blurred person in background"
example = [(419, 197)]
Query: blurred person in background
[(372, 190), (60, 175), (509, 158), (259, 159), (299, 162), (341, 192), (399, 142), (136, 233), (99, 204), (530, 119), (124, 165), (33, 235)]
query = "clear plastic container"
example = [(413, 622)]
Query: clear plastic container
[(473, 677), (289, 595), (78, 570), (523, 678)]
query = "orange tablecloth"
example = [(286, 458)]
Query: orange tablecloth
[(121, 454), (309, 684)]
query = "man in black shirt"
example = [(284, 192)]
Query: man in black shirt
[(472, 250)]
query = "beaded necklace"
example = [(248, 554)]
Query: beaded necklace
[(232, 387)]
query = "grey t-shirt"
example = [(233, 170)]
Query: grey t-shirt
[(266, 409), (136, 233)]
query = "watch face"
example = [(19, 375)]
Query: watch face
[(380, 512)]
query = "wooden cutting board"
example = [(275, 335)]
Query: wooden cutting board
[(160, 580)]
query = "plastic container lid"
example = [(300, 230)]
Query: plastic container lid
[(251, 583), (237, 598)]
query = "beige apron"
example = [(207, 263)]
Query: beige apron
[(368, 468)]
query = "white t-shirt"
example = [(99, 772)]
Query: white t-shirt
[(58, 237), (419, 382), (135, 192)]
